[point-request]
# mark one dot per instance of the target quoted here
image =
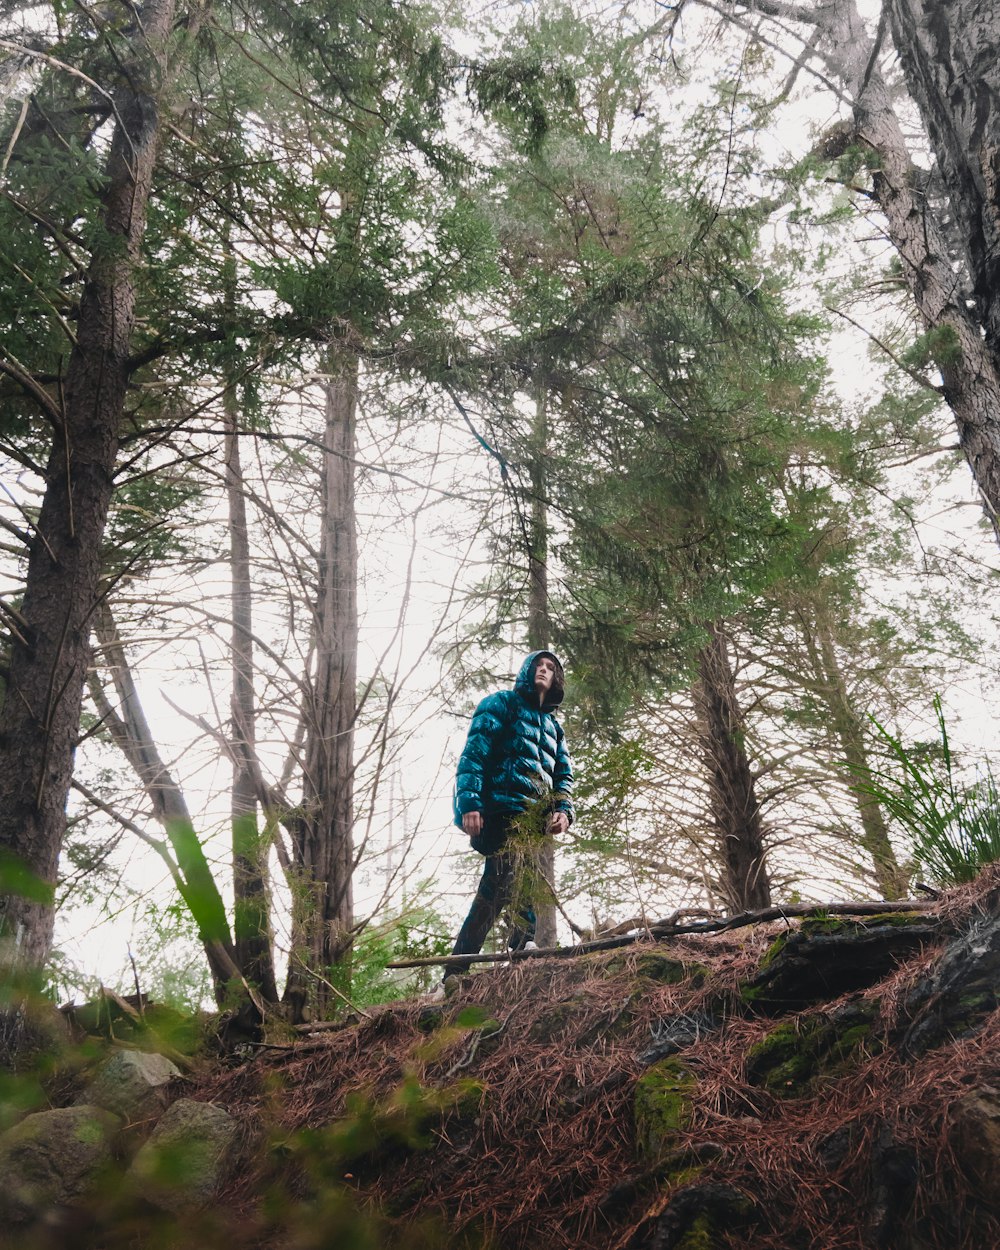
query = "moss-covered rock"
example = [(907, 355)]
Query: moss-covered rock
[(191, 1151), (655, 965), (962, 991), (51, 1158), (134, 1084), (703, 1216), (700, 1236), (660, 967), (429, 1019), (662, 1106), (827, 957), (797, 1051), (974, 1131)]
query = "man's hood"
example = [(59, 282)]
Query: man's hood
[(526, 687)]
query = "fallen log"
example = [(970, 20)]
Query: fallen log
[(666, 929)]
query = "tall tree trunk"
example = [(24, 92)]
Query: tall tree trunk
[(539, 625), (849, 730), (965, 357), (323, 840), (251, 902), (967, 367), (950, 52), (39, 721), (733, 795)]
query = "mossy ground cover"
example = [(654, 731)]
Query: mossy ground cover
[(663, 1107)]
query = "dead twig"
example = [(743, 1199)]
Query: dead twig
[(665, 929)]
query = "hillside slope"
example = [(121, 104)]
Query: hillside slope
[(832, 1084)]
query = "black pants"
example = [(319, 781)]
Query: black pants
[(504, 862)]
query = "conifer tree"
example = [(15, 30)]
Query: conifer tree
[(142, 231)]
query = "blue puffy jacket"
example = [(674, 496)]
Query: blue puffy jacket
[(515, 752)]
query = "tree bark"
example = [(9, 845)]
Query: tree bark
[(735, 809), (846, 724), (950, 54), (966, 357), (968, 369), (539, 625), (39, 721), (323, 840), (251, 902)]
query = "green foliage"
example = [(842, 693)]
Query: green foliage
[(939, 346), (143, 526), (330, 1160), (309, 1197), (414, 933), (522, 90), (17, 878), (955, 827), (170, 962)]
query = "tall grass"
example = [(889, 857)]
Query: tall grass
[(955, 827)]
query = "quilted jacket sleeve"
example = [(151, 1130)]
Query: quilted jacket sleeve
[(562, 777), (484, 735)]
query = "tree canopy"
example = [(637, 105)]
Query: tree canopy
[(349, 350)]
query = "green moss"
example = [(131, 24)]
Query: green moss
[(849, 1041), (700, 1236), (773, 951), (783, 1061), (749, 994), (798, 1051), (468, 1097), (661, 968), (970, 1009), (852, 924), (662, 1106)]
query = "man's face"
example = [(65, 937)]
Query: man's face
[(545, 671)]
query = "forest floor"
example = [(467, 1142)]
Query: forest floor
[(748, 1090)]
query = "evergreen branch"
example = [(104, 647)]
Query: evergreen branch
[(15, 619), (54, 63), (308, 440), (500, 459), (17, 373), (20, 456), (22, 535), (726, 12), (910, 372), (58, 234), (876, 50), (159, 845), (23, 273), (24, 512), (15, 134), (784, 10), (314, 103)]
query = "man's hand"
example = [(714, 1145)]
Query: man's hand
[(472, 823), (558, 822)]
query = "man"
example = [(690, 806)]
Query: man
[(514, 773)]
